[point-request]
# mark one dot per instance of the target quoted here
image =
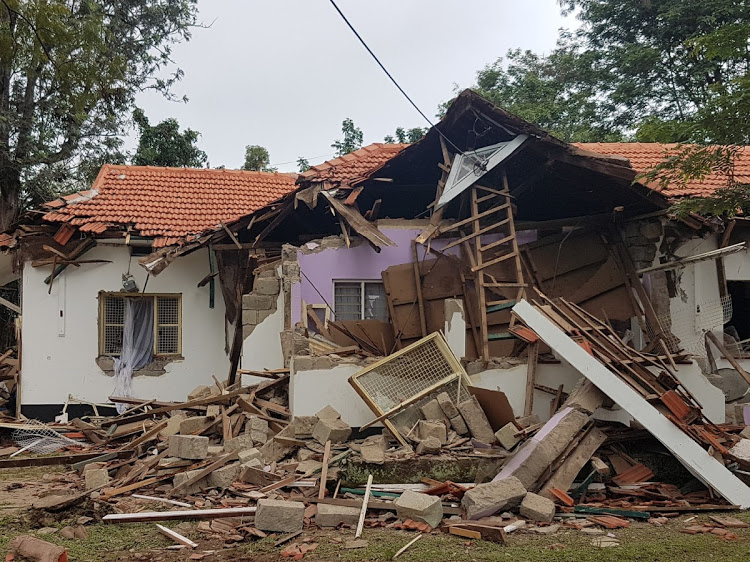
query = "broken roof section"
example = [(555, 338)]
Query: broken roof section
[(645, 156), (352, 167), (168, 204)]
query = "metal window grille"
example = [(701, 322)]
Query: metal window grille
[(113, 316), (376, 305), (167, 325), (360, 300)]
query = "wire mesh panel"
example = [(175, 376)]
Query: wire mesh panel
[(422, 368), (114, 320), (688, 325), (168, 325)]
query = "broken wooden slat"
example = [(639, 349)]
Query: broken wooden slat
[(363, 511), (324, 470), (176, 537), (221, 461)]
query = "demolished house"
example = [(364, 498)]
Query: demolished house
[(94, 320), (489, 303)]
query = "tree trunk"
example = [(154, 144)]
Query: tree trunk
[(10, 193)]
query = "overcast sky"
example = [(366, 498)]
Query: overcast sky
[(285, 73)]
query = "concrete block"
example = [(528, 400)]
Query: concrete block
[(303, 425), (334, 515), (428, 446), (279, 516), (252, 463), (741, 450), (308, 465), (459, 425), (257, 302), (258, 437), (193, 424), (328, 413), (194, 447), (476, 420), (432, 411), (256, 424), (419, 507), (506, 436), (528, 421), (304, 454), (215, 450), (239, 443), (199, 486), (585, 397), (272, 450), (173, 425), (745, 433), (224, 476), (730, 382), (266, 286), (487, 499), (537, 508), (536, 454), (447, 405), (250, 317), (373, 449), (246, 455), (427, 429), (200, 391), (96, 477), (333, 430)]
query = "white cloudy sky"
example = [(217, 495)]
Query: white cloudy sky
[(285, 73)]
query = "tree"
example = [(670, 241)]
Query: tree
[(556, 92), (164, 145), (352, 140), (257, 158), (405, 136), (69, 74), (302, 164)]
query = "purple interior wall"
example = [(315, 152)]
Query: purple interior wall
[(359, 262)]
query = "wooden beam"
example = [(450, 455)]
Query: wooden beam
[(7, 304), (418, 286), (175, 515), (363, 511), (324, 470), (533, 356)]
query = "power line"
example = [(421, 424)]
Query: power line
[(400, 89)]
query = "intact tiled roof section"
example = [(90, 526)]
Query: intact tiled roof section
[(644, 156), (168, 203), (347, 169)]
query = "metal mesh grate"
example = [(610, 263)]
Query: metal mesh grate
[(688, 325), (114, 319), (168, 325), (407, 375)]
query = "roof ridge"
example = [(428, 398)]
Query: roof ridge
[(193, 170)]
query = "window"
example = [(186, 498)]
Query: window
[(360, 300), (166, 309)]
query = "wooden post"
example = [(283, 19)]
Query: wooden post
[(531, 378)]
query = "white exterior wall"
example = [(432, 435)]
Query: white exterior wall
[(262, 348), (61, 329)]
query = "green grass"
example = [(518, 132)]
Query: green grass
[(639, 542), (28, 473)]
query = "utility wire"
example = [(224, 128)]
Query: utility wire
[(400, 89)]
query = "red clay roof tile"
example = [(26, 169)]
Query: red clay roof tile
[(644, 156), (168, 202), (353, 166)]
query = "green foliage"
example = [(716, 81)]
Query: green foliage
[(557, 92), (406, 136), (257, 158), (302, 164), (352, 140), (69, 74), (164, 145)]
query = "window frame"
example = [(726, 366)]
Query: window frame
[(155, 296), (362, 283)]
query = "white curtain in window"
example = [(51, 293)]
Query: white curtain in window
[(137, 345)]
